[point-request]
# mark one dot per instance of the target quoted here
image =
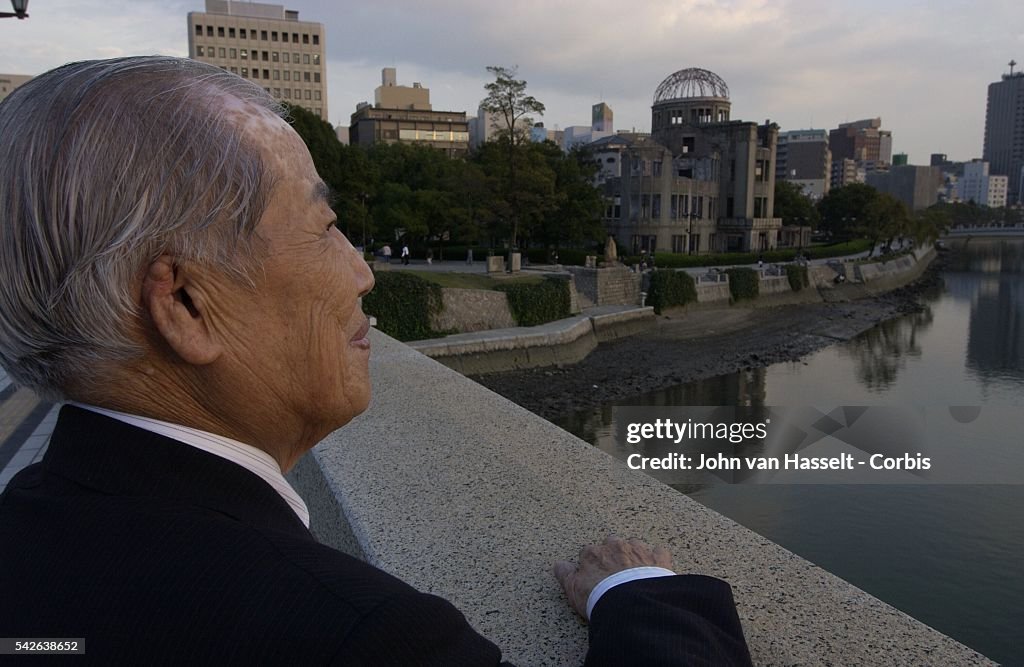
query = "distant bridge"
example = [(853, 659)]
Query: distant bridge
[(992, 231)]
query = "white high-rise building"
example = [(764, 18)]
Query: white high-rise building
[(979, 186)]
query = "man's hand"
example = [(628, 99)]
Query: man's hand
[(598, 561)]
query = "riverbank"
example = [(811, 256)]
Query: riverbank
[(689, 345)]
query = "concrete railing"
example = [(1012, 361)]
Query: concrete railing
[(461, 493)]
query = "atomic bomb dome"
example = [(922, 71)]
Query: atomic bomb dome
[(691, 96), (689, 83)]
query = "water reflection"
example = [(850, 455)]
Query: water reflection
[(947, 555), (988, 256), (995, 344), (881, 352)]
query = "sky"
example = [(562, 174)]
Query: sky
[(922, 66)]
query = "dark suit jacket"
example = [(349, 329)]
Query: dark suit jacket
[(159, 553)]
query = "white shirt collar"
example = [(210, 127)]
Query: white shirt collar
[(252, 459)]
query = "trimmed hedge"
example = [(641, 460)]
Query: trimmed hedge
[(744, 283), (403, 304), (538, 303), (797, 275), (670, 288)]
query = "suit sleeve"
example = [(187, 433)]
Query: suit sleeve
[(416, 629), (680, 620)]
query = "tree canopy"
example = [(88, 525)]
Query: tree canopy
[(793, 206), (390, 191)]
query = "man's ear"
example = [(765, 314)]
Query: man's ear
[(177, 319)]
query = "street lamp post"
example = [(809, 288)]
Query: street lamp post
[(20, 10)]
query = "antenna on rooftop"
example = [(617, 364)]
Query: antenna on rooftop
[(1012, 63)]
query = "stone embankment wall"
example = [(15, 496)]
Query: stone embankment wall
[(607, 286), (869, 277), (465, 310), (469, 310), (466, 495)]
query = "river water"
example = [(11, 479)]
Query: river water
[(952, 556)]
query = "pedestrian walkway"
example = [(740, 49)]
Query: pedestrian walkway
[(26, 423)]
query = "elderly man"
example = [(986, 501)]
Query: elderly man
[(170, 266)]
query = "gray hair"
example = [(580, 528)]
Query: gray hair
[(104, 166)]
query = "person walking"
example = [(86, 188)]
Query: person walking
[(386, 251), (405, 254)]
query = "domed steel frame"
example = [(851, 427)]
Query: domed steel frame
[(689, 83)]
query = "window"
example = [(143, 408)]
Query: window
[(656, 168), (287, 93), (298, 76), (284, 57), (209, 31), (245, 72), (316, 58), (244, 53), (241, 32), (656, 206), (199, 31), (222, 52), (234, 70), (305, 38), (273, 36), (295, 38), (305, 77), (263, 35), (255, 73), (295, 58), (266, 75), (231, 33), (305, 58), (287, 75), (298, 94), (309, 94), (316, 95), (277, 75), (277, 91), (319, 112), (232, 54), (316, 77), (266, 56), (200, 51), (677, 243), (316, 39), (274, 56), (220, 31)]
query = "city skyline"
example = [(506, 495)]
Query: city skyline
[(923, 70)]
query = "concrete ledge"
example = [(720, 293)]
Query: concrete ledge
[(563, 342), (464, 494)]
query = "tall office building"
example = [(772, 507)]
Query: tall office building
[(864, 142), (1004, 132), (266, 44), (803, 157)]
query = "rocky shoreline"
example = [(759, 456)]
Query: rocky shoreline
[(693, 345)]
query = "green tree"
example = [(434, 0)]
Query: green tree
[(793, 206), (843, 210), (576, 217), (508, 101), (884, 218)]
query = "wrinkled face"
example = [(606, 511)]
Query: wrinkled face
[(302, 332)]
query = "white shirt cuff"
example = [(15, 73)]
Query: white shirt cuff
[(622, 577)]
